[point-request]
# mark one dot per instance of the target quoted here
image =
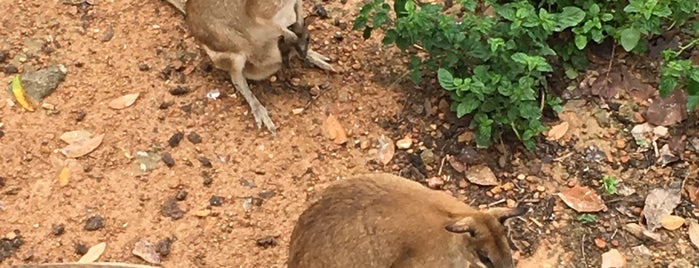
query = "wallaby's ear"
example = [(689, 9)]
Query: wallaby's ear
[(464, 225), (503, 214)]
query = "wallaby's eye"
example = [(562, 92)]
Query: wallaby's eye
[(483, 257)]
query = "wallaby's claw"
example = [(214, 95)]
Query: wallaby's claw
[(262, 117), (319, 60)]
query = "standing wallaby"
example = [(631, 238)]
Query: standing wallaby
[(382, 220), (243, 37)]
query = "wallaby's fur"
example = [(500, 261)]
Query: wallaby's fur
[(243, 38), (382, 220)]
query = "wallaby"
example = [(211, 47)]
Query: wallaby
[(242, 37), (285, 46), (382, 220)]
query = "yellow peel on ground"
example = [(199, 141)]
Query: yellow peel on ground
[(20, 95)]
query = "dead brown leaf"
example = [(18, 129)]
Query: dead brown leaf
[(672, 222), (456, 164), (64, 176), (613, 259), (386, 150), (123, 101), (94, 253), (146, 251), (642, 233), (607, 85), (481, 175), (660, 203), (582, 199), (82, 147), (668, 111), (334, 130), (693, 232), (75, 135), (692, 193), (558, 131)]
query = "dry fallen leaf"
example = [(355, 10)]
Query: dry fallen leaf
[(660, 203), (123, 101), (692, 193), (693, 233), (642, 233), (558, 131), (481, 175), (93, 253), (75, 135), (672, 222), (334, 130), (64, 177), (20, 94), (613, 259), (456, 164), (146, 251), (386, 150), (82, 147), (582, 199)]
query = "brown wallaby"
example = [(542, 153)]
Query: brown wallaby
[(243, 36), (382, 220), (285, 46)]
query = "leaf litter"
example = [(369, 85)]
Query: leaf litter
[(94, 253), (334, 130), (660, 202), (146, 251), (582, 199), (123, 101), (82, 147)]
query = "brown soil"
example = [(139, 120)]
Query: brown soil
[(114, 48)]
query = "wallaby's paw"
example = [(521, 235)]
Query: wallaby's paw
[(319, 60), (262, 117)]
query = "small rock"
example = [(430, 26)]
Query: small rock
[(181, 195), (205, 162), (143, 67), (80, 249), (10, 69), (435, 182), (404, 143), (179, 91), (94, 223), (58, 229), (427, 156), (163, 246), (194, 137), (168, 160), (108, 34), (3, 56), (540, 188), (267, 242), (620, 144), (171, 209), (320, 11), (40, 84), (175, 139), (3, 182), (216, 201)]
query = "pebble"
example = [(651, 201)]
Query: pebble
[(175, 139), (508, 186), (216, 201), (94, 223), (620, 144), (168, 160), (404, 143), (58, 229), (540, 189), (194, 138)]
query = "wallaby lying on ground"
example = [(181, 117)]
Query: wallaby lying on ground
[(243, 36), (382, 220)]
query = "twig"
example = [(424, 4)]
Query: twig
[(441, 166), (563, 157), (582, 249), (496, 203)]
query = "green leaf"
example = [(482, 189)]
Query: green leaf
[(667, 85), (446, 80), (520, 57), (399, 8), (571, 16), (693, 98), (630, 38), (580, 41), (467, 105), (367, 32), (693, 74)]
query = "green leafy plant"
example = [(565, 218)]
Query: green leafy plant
[(494, 64), (587, 218), (677, 72), (609, 184)]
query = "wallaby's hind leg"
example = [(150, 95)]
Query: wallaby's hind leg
[(258, 110), (234, 64), (319, 60)]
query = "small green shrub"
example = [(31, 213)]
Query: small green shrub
[(587, 218), (495, 66), (609, 184)]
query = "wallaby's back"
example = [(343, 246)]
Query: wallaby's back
[(382, 220)]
